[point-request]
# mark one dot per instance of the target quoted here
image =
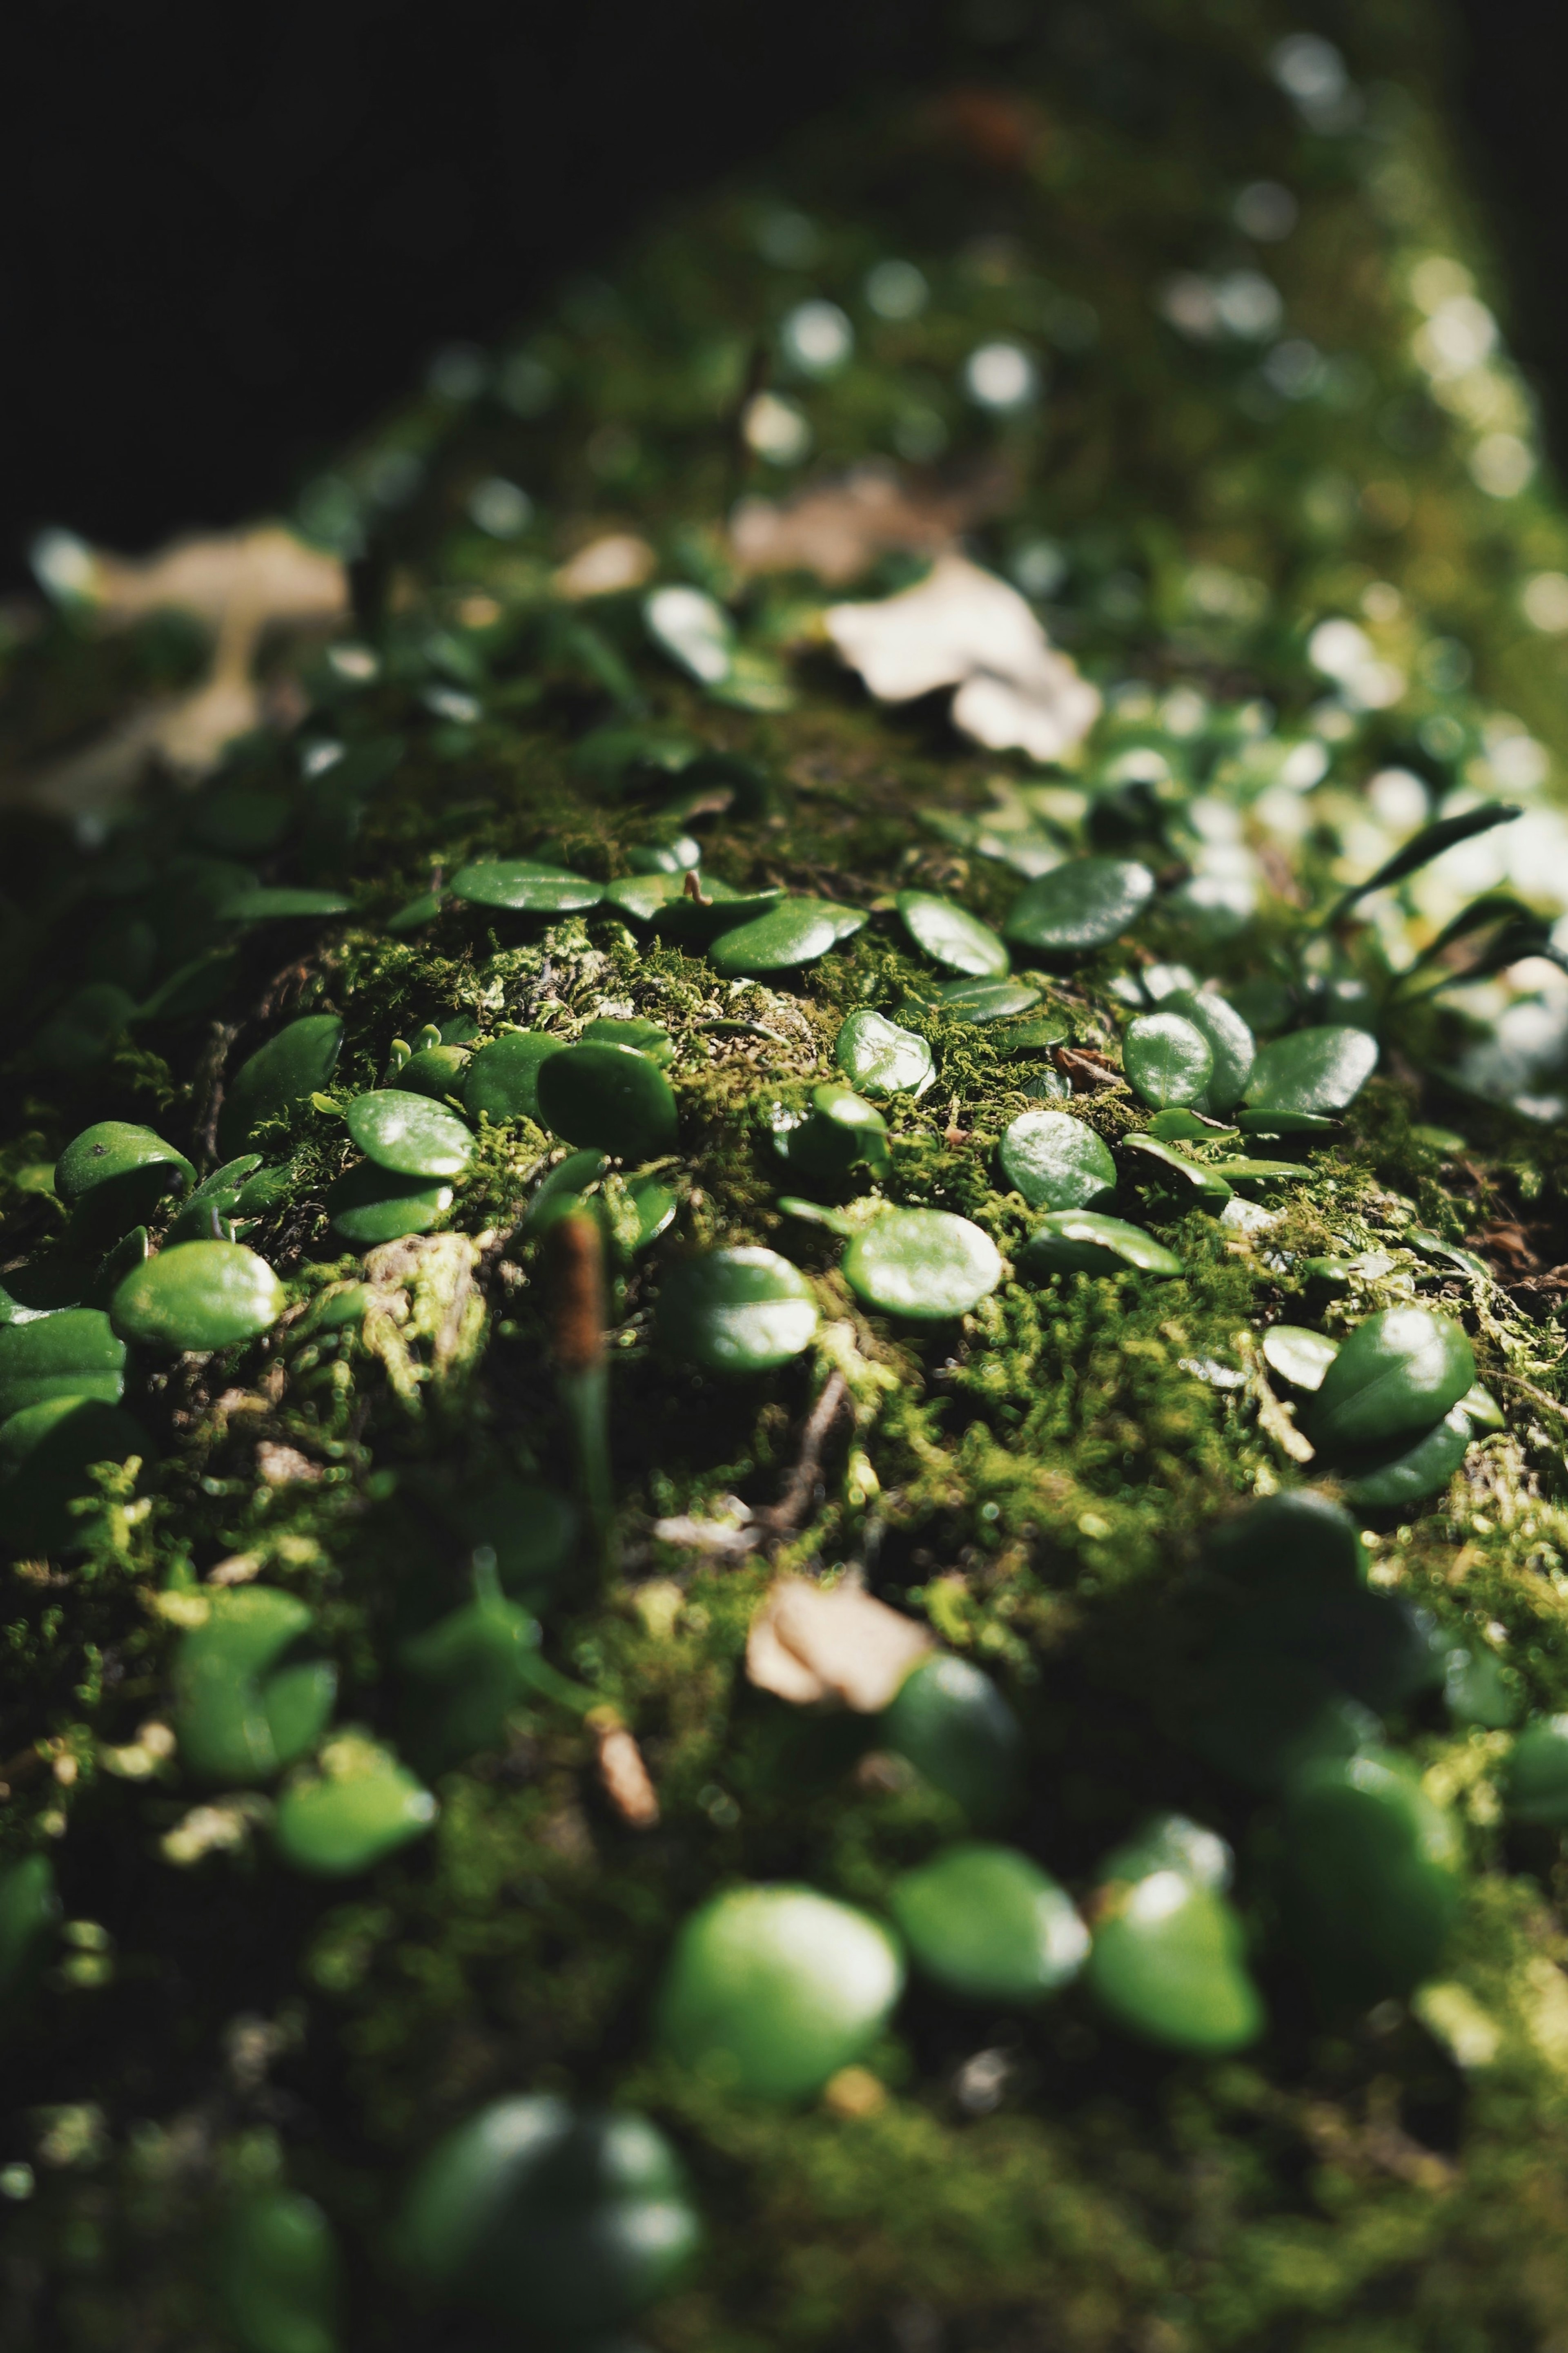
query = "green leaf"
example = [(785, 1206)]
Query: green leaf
[(1298, 1355), (952, 936), (770, 1990), (951, 1722), (1230, 1041), (1085, 903), (1168, 1960), (1421, 848), (1167, 1059), (550, 2219), (736, 1311), (408, 1133), (359, 1805), (793, 932), (986, 1000), (369, 1205), (501, 1080), (1321, 1070), (525, 887), (1056, 1162), (924, 1264), (1083, 1241), (1201, 1177), (880, 1059), (610, 1098), (1399, 1372), (1371, 1879), (198, 1295), (986, 1924)]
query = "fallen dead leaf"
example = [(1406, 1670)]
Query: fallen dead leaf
[(964, 628), (839, 529), (811, 1642), (605, 567)]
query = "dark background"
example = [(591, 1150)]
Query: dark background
[(229, 236)]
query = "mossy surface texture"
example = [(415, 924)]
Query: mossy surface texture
[(1253, 453)]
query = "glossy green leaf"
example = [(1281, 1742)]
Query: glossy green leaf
[(1084, 903), (610, 1098), (44, 1455), (1430, 843), (1231, 1044), (923, 1265), (369, 1205), (279, 2275), (1199, 1179), (463, 1678), (949, 1720), (679, 855), (770, 1990), (984, 1001), (1056, 1162), (695, 923), (114, 1175), (1316, 1071), (1298, 1355), (524, 887), (736, 1311), (271, 904), (842, 1131), (1535, 1775), (656, 1207), (501, 1080), (1084, 1242), (642, 897), (987, 1923), (1285, 1123), (552, 2219), (561, 1187), (409, 1134), (1400, 1371), (357, 1805), (1167, 1060), (1372, 1878), (880, 1058), (1261, 1172), (277, 1077), (1169, 1958), (793, 932), (437, 1072), (952, 936), (198, 1295), (1181, 1126), (240, 1716), (73, 1353), (649, 1037), (1409, 1469), (1299, 1537)]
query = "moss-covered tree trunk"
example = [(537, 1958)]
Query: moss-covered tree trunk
[(1041, 552)]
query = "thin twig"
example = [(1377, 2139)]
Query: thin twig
[(801, 1484)]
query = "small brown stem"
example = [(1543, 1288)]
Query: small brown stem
[(801, 1484)]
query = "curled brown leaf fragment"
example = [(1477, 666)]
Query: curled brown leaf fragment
[(810, 1643), (625, 1776), (839, 529)]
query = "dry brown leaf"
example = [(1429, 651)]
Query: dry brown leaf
[(812, 1642), (607, 567), (962, 626), (839, 529)]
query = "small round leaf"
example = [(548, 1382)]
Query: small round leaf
[(952, 936), (736, 1311), (1084, 903), (1167, 1059), (1056, 1162), (925, 1264), (880, 1059), (408, 1133), (611, 1098), (198, 1295)]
